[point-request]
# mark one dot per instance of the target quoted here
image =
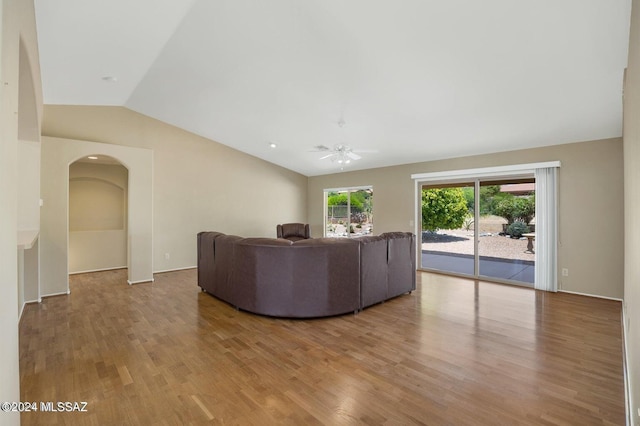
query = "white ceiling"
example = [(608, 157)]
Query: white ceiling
[(414, 80)]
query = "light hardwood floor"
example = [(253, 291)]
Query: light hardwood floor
[(455, 352)]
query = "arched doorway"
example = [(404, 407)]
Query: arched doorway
[(98, 211), (57, 155)]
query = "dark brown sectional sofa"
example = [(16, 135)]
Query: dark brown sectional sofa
[(306, 278)]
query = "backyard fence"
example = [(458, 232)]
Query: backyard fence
[(337, 212)]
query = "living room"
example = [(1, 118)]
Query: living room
[(201, 185)]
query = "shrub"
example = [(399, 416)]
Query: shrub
[(358, 217), (514, 209), (443, 208), (517, 228)]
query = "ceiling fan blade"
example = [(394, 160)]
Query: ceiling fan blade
[(327, 156), (353, 155)]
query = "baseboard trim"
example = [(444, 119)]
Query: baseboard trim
[(55, 294), (25, 304), (150, 280), (98, 270), (590, 295), (625, 371), (175, 269)]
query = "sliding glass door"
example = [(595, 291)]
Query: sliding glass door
[(481, 229), (447, 228), (348, 212)]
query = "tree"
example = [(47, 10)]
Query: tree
[(517, 208), (443, 208), (490, 195), (341, 200), (469, 195)]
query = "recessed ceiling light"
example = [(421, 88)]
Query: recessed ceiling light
[(272, 145), (110, 79), (93, 157)]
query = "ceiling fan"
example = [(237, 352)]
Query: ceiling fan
[(340, 153)]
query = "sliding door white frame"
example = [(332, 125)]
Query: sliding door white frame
[(546, 209)]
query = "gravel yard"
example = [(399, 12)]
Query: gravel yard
[(491, 244)]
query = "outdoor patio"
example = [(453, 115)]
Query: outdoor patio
[(507, 269), (501, 257)]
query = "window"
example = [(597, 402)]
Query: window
[(348, 212)]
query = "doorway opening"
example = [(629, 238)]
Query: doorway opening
[(98, 212)]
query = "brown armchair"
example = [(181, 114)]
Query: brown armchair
[(293, 231)]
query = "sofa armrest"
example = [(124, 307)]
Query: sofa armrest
[(373, 270), (401, 260)]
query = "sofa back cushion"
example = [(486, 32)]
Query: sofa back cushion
[(305, 278)]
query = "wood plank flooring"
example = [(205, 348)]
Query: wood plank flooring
[(455, 352)]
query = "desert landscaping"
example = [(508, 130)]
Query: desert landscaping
[(491, 243)]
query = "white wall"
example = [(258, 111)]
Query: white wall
[(29, 185), (97, 216), (631, 136), (20, 87), (9, 377), (28, 220), (57, 155)]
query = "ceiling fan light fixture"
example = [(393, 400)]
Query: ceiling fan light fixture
[(341, 153)]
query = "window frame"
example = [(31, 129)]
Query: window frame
[(348, 190)]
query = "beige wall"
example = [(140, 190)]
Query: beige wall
[(631, 136), (29, 185), (590, 211), (97, 216), (57, 155), (17, 24), (197, 184)]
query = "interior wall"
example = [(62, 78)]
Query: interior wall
[(97, 216), (28, 191), (590, 206), (198, 184), (17, 22), (57, 155), (29, 185), (631, 135)]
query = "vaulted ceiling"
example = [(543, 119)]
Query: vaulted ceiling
[(412, 80)]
